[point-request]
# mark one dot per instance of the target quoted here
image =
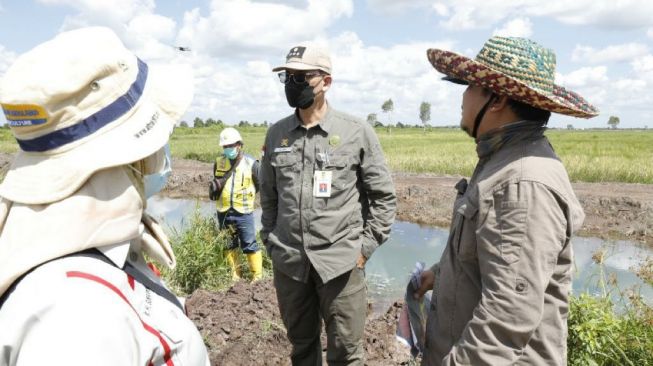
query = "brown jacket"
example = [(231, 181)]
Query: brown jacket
[(502, 284)]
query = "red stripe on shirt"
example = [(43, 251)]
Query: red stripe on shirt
[(130, 280), (166, 348)]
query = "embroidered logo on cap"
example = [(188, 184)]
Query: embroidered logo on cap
[(19, 115), (297, 52)]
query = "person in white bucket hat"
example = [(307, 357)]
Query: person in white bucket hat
[(92, 122)]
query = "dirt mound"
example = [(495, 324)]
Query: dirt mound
[(242, 326)]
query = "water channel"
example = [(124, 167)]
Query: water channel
[(389, 269)]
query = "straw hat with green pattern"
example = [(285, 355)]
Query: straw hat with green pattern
[(516, 67)]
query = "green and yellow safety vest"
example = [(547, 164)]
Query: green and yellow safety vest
[(239, 190)]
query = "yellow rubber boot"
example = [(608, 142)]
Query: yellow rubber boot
[(232, 259), (255, 261)]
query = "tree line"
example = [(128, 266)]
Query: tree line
[(198, 122), (388, 107)]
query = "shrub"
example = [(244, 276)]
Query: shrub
[(201, 261), (602, 334)]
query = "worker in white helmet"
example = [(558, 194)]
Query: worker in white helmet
[(234, 188)]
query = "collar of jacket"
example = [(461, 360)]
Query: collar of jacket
[(325, 123), (495, 139)]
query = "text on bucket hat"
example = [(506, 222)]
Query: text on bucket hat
[(518, 68), (307, 56), (80, 103)]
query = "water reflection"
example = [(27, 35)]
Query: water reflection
[(389, 268)]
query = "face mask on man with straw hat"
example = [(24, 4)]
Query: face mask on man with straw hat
[(92, 122), (500, 289)]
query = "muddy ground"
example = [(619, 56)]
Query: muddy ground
[(242, 326)]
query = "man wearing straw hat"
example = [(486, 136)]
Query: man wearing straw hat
[(92, 122), (500, 289), (328, 202)]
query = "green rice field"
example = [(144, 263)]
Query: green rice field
[(589, 155)]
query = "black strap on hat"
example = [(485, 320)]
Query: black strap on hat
[(481, 113)]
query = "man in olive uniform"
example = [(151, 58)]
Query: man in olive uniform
[(328, 202), (500, 290), (234, 189)]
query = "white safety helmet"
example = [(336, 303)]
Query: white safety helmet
[(229, 136)]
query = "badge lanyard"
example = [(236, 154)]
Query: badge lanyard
[(322, 178)]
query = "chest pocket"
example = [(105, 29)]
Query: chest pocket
[(342, 168), (464, 234), (285, 167)]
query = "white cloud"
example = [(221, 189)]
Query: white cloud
[(107, 11), (157, 26), (394, 6), (465, 14), (6, 59), (150, 35), (441, 9), (366, 76), (643, 69), (623, 14), (519, 27), (614, 53), (473, 14), (244, 28), (236, 43), (293, 3), (584, 77), (650, 32)]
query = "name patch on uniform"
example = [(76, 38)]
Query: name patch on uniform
[(282, 149), (19, 115)]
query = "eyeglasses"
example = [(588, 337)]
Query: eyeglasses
[(299, 78)]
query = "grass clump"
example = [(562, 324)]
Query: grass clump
[(200, 250), (600, 333)]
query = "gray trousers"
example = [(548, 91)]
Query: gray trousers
[(341, 303)]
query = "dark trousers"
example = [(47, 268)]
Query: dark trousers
[(341, 303), (243, 227)]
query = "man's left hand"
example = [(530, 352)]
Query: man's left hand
[(360, 262)]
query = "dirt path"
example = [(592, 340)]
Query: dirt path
[(613, 210)]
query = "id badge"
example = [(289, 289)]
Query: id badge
[(322, 183)]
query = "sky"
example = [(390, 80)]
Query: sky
[(604, 49)]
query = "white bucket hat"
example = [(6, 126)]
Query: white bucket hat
[(80, 103)]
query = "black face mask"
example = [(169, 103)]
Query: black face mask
[(299, 95)]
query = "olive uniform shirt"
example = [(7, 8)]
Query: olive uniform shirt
[(329, 233), (502, 284)]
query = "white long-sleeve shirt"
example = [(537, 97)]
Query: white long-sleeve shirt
[(82, 311)]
